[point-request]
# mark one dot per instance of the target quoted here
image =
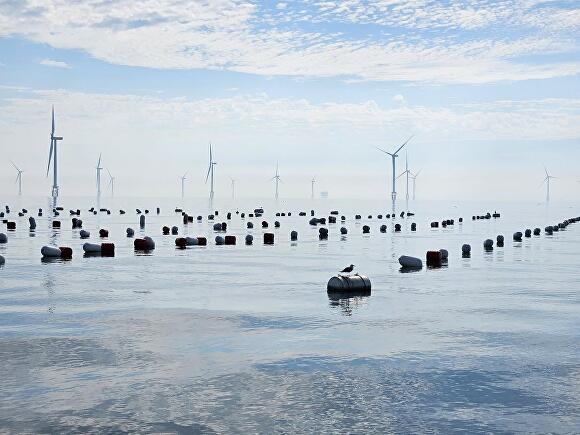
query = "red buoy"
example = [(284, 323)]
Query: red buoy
[(65, 252), (230, 240), (108, 249), (433, 258)]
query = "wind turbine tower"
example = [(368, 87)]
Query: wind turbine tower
[(53, 156), (312, 187), (99, 169), (407, 173), (18, 178), (210, 171), (414, 178), (182, 178), (547, 181), (233, 187), (277, 178), (111, 182), (394, 155)]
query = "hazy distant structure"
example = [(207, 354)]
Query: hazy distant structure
[(277, 179), (393, 158), (182, 178), (111, 182), (407, 173), (53, 156), (312, 187), (210, 171), (99, 168), (18, 178), (233, 187), (547, 181), (414, 178)]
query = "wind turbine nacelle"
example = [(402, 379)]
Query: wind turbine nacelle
[(57, 137)]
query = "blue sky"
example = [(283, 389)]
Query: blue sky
[(487, 88)]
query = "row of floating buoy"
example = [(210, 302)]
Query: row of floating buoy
[(488, 215)]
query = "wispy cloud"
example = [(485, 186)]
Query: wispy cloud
[(238, 36), (54, 63)]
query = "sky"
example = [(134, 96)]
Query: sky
[(489, 90)]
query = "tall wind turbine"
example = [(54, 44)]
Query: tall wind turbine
[(277, 178), (111, 182), (99, 169), (407, 173), (182, 178), (312, 187), (414, 178), (393, 158), (210, 172), (547, 181), (53, 152), (18, 178), (233, 187)]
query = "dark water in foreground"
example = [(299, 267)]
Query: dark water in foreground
[(244, 339)]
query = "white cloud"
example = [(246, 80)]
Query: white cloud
[(399, 99), (54, 63), (236, 36)]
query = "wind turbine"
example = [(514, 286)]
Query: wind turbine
[(414, 177), (277, 178), (111, 182), (18, 178), (210, 172), (312, 187), (53, 152), (393, 157), (99, 169), (406, 172), (233, 187), (182, 178), (547, 181)]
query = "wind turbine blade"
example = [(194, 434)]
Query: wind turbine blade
[(386, 152), (401, 174), (186, 172), (52, 130), (401, 147), (546, 169), (15, 167), (109, 172), (418, 172), (208, 171), (17, 177), (49, 156), (99, 163)]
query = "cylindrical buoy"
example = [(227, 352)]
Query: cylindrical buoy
[(294, 235), (230, 240), (249, 239), (433, 258), (219, 240), (217, 227), (434, 224), (181, 242), (444, 254), (165, 230), (466, 249), (55, 224), (202, 241), (130, 232), (499, 240), (84, 234), (410, 262), (174, 230), (528, 233), (150, 242), (142, 221), (347, 284), (50, 251), (413, 226), (488, 244), (108, 249), (343, 231), (276, 224), (537, 231), (383, 229), (264, 224), (268, 238), (366, 229), (103, 233), (250, 225), (191, 241), (2, 261), (91, 248), (397, 228), (517, 236), (65, 252), (3, 238)]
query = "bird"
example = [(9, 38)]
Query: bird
[(348, 269)]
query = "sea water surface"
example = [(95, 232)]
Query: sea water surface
[(245, 339)]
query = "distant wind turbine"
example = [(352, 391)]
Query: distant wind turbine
[(312, 187), (99, 169), (407, 173), (53, 156), (111, 182), (18, 178), (233, 187), (277, 179), (210, 171), (393, 157), (414, 178), (182, 178), (547, 181)]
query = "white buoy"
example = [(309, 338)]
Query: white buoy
[(91, 247), (410, 262), (3, 238), (84, 234), (50, 251)]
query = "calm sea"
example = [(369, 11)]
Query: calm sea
[(244, 339)]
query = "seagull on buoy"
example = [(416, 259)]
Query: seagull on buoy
[(348, 269)]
